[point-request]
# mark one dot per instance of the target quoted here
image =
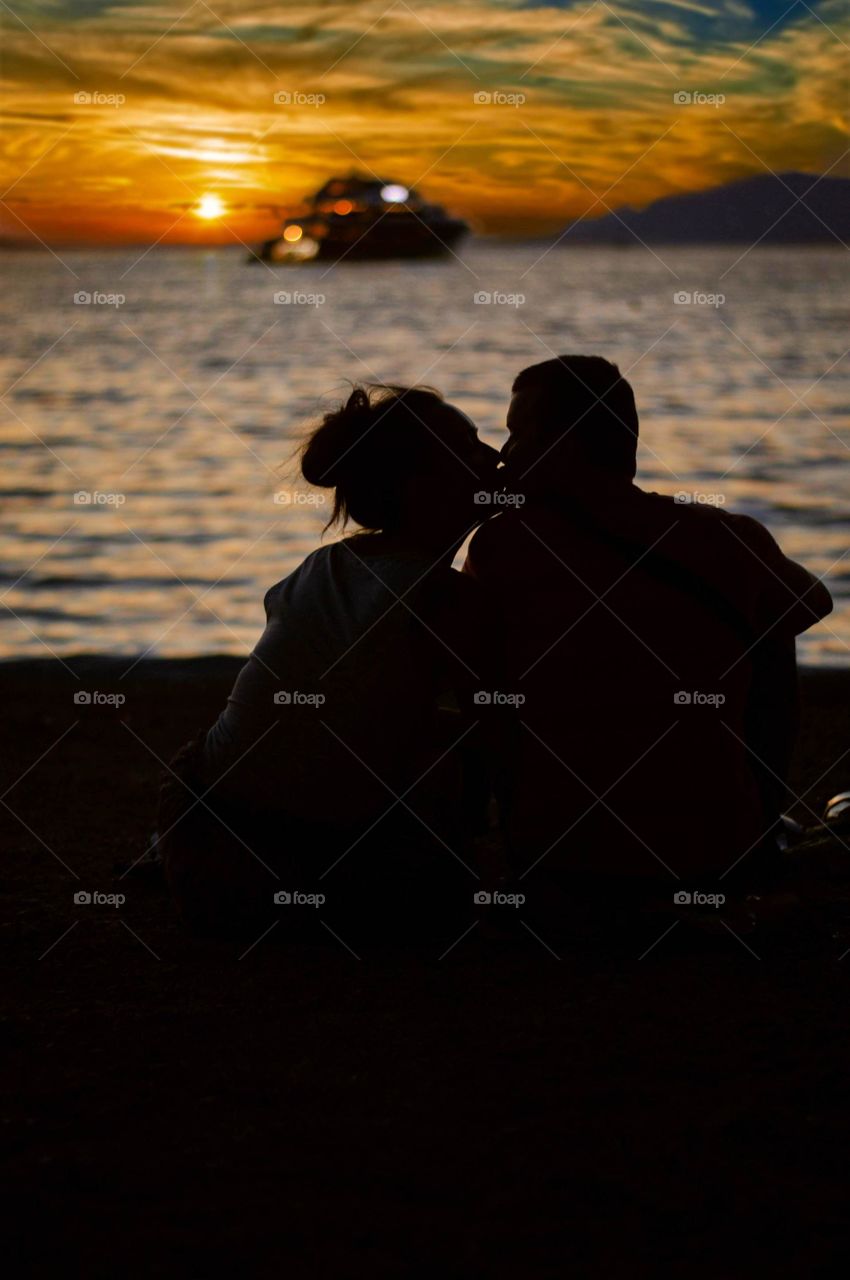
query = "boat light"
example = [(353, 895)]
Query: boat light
[(394, 193), (292, 234)]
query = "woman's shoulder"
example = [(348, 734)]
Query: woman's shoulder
[(370, 556), (360, 560), (308, 567), (369, 547)]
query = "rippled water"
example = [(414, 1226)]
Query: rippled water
[(177, 407)]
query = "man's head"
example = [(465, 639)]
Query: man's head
[(580, 413)]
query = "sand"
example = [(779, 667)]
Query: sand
[(503, 1111)]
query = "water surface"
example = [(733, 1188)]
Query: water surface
[(175, 410)]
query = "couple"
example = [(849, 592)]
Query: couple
[(609, 684)]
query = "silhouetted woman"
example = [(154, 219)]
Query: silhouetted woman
[(332, 756)]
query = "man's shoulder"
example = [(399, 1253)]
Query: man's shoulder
[(494, 539), (739, 531), (497, 529), (710, 519), (498, 525), (739, 551)]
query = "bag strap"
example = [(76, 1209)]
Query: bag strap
[(670, 573)]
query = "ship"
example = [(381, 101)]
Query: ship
[(359, 218)]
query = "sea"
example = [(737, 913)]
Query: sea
[(153, 401)]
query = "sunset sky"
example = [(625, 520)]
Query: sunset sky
[(120, 117)]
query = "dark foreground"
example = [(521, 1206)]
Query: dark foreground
[(180, 1108)]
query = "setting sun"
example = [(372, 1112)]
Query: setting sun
[(210, 207)]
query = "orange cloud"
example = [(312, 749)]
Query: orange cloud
[(121, 121)]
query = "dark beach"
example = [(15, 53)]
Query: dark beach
[(179, 1110)]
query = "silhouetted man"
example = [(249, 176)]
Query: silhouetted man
[(652, 642)]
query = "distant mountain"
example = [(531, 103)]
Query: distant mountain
[(739, 213)]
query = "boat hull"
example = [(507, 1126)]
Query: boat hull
[(374, 242), (379, 241)]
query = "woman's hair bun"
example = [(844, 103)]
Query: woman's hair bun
[(329, 445), (365, 448)]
